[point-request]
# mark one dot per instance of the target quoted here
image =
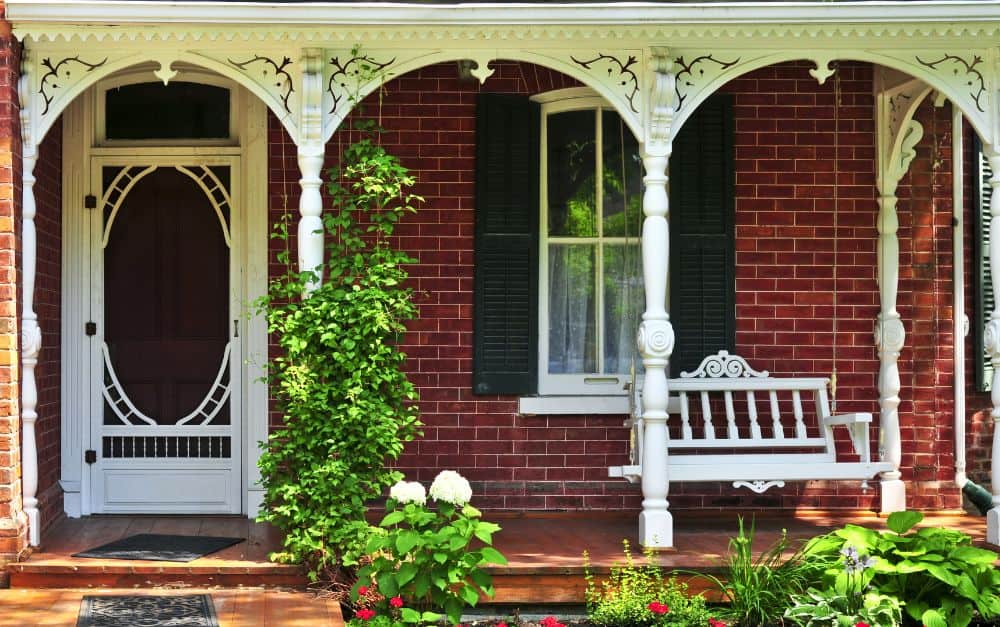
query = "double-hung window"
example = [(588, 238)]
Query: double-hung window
[(590, 286)]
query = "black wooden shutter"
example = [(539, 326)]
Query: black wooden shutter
[(702, 241), (505, 353), (985, 302)]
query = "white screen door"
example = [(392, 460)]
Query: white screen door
[(165, 418)]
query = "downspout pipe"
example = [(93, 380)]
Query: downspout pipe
[(959, 320), (976, 494)]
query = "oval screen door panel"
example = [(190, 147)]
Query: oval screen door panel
[(168, 432)]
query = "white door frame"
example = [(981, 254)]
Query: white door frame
[(82, 148)]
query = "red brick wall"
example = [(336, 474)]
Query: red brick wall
[(925, 209), (13, 525), (786, 162), (48, 305)]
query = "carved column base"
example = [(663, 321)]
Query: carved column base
[(34, 526), (656, 529), (893, 496), (993, 526)]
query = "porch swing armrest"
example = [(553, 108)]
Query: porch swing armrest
[(848, 419), (857, 424)]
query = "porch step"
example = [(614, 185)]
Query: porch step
[(115, 574), (52, 565), (234, 607)]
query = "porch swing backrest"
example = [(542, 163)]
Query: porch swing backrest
[(729, 422)]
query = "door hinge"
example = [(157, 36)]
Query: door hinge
[(90, 457), (90, 328), (90, 201)]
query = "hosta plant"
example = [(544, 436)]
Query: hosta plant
[(848, 603), (937, 575), (422, 561)]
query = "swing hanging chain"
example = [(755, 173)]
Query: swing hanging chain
[(836, 228)]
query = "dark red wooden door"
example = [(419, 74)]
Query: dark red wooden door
[(166, 296)]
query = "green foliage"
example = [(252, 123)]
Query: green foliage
[(346, 404), (759, 590), (846, 603), (936, 573), (636, 595), (423, 558), (829, 608)]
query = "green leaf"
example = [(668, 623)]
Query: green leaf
[(861, 538), (453, 608), (421, 584), (901, 522), (393, 518), (406, 540), (973, 555), (484, 580), (931, 618), (469, 595), (410, 615), (492, 556), (406, 573), (387, 584), (906, 567)]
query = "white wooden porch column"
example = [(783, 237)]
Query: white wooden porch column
[(889, 339), (310, 157), (31, 344), (992, 342), (897, 98), (656, 334)]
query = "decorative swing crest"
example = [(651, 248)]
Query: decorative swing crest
[(724, 365)]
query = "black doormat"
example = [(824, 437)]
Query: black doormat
[(148, 611), (164, 548)]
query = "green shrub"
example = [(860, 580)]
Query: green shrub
[(937, 575), (346, 404), (422, 562), (637, 595)]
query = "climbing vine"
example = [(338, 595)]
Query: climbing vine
[(347, 407)]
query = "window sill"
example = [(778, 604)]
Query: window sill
[(545, 405)]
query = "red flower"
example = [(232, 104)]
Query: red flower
[(365, 613), (501, 624), (658, 608), (715, 623), (862, 624), (396, 602), (550, 621), (362, 591)]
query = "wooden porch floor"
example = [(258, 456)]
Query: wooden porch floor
[(545, 551)]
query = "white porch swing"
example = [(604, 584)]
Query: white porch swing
[(769, 429)]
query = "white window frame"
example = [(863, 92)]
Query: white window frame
[(185, 74), (582, 384)]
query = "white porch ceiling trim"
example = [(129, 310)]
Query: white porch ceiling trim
[(620, 13)]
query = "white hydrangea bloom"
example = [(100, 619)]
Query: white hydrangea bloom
[(451, 487), (408, 492)]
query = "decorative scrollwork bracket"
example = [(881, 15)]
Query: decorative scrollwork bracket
[(758, 485), (723, 365)]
